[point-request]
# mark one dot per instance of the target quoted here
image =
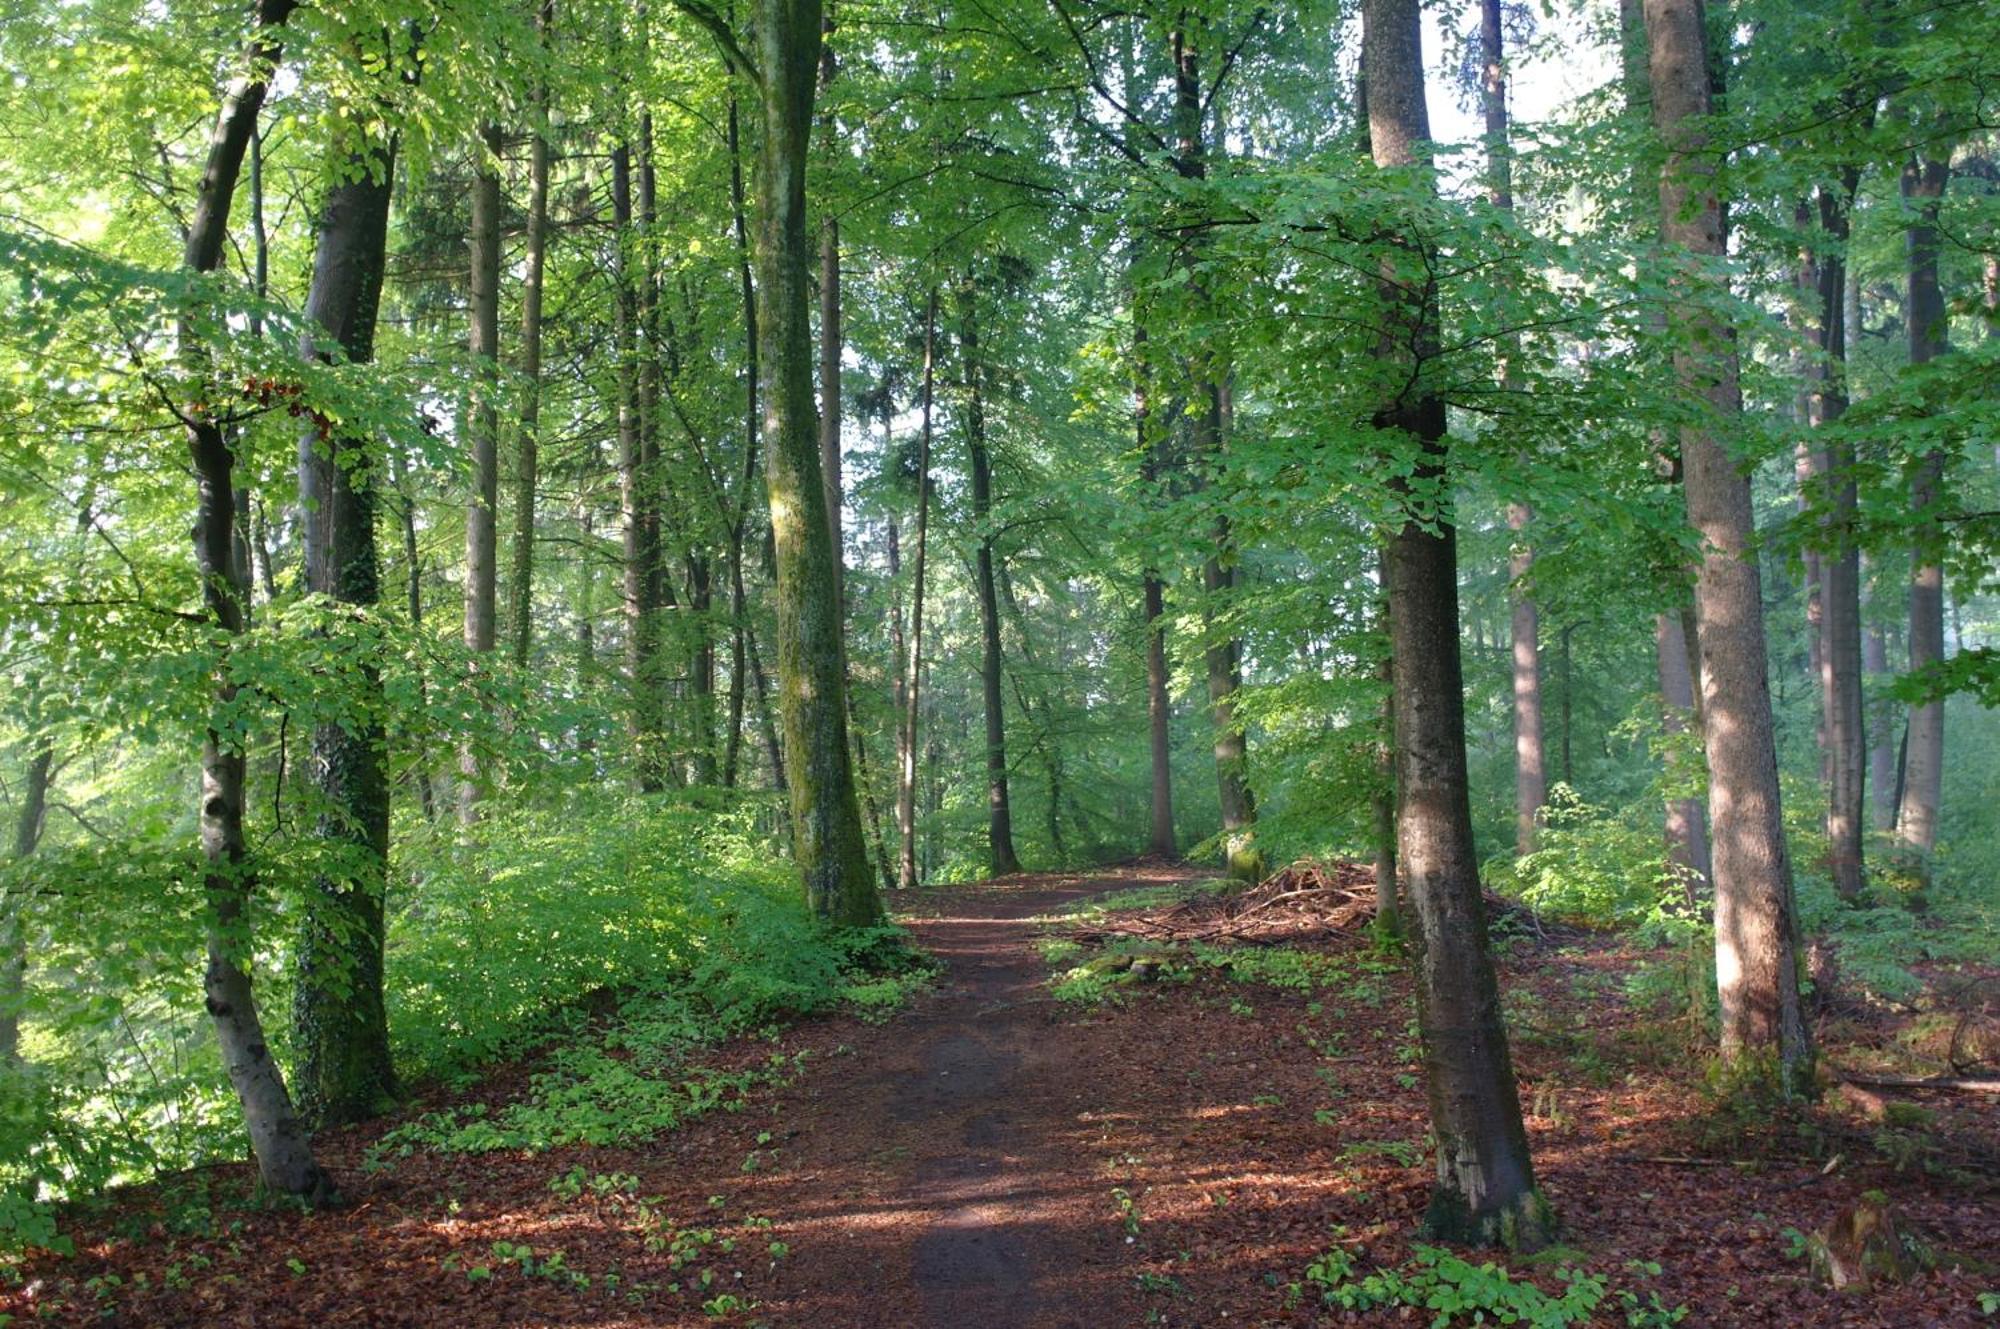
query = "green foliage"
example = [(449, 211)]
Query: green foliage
[(1593, 866), (1461, 1292)]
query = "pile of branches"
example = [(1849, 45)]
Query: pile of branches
[(1303, 902)]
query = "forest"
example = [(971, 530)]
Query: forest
[(1036, 662)]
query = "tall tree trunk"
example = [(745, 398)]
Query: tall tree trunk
[(1159, 701), (278, 1137), (1531, 781), (1834, 501), (13, 908), (906, 785), (1001, 858), (1881, 733), (826, 818), (738, 516), (701, 668), (1485, 1186), (413, 590), (1382, 801), (528, 429), (1687, 817), (1923, 186), (1755, 923), (1223, 658), (634, 489), (481, 525), (829, 326), (340, 1025)]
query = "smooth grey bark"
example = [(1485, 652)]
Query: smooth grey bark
[(739, 514), (340, 1025), (413, 595), (528, 425), (907, 876), (1001, 858), (1923, 186), (1755, 920), (278, 1137), (481, 518), (1382, 802), (1485, 1185)]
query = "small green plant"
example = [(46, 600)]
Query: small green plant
[(1128, 1212)]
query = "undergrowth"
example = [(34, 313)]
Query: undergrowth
[(1461, 1292)]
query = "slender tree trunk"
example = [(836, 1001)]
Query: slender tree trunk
[(1159, 701), (634, 486), (1687, 817), (906, 786), (826, 817), (413, 589), (1881, 728), (528, 429), (1382, 802), (1485, 1186), (481, 525), (1531, 782), (13, 909), (739, 516), (1001, 857), (829, 327), (1223, 658), (1755, 923), (278, 1137), (1834, 501), (1923, 187)]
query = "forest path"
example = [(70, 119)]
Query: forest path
[(954, 1163)]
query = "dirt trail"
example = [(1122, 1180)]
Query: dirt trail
[(974, 1195)]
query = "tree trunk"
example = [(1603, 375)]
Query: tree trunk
[(1881, 728), (1001, 858), (826, 818), (13, 911), (829, 329), (1531, 781), (527, 431), (1756, 973), (634, 491), (340, 1027), (413, 588), (1687, 817), (1218, 574), (739, 516), (1159, 701), (481, 526), (1485, 1187), (1923, 186), (278, 1138), (1835, 501), (1382, 802), (906, 785)]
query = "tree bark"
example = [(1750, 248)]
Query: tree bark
[(1223, 658), (413, 590), (1881, 728), (739, 515), (634, 491), (831, 852), (340, 1026), (1835, 502), (1001, 858), (1485, 1185), (528, 429), (829, 328), (907, 875), (1923, 186), (1756, 973), (1159, 678), (1687, 817), (13, 909), (481, 525)]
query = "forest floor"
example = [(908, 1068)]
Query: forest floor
[(1177, 1152)]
